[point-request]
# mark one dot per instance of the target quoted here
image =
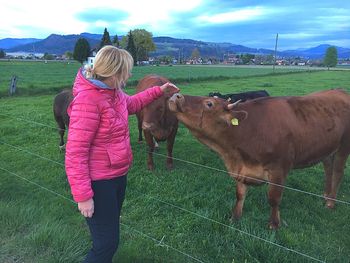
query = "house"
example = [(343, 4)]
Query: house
[(91, 59)]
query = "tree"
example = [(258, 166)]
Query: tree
[(48, 56), (195, 54), (269, 59), (246, 58), (115, 41), (143, 43), (68, 55), (81, 50), (2, 53), (331, 57), (166, 59), (131, 47), (106, 40)]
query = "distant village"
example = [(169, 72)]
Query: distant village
[(227, 59)]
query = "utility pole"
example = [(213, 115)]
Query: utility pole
[(34, 51), (274, 60)]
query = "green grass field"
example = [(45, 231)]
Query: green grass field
[(38, 77), (177, 216)]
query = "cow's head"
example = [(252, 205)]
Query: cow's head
[(206, 115), (156, 114)]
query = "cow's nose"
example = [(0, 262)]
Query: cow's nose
[(146, 125), (177, 96)]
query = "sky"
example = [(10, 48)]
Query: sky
[(252, 23)]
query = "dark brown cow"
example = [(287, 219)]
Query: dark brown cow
[(156, 121), (60, 105), (263, 139)]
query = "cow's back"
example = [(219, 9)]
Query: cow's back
[(60, 105), (150, 81), (308, 128), (323, 120)]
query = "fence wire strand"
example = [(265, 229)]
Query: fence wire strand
[(125, 225), (252, 178), (204, 166), (193, 213)]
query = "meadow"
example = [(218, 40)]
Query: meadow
[(176, 216), (38, 77)]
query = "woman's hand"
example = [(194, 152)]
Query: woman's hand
[(86, 208), (169, 88)]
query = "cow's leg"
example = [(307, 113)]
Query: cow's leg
[(139, 126), (170, 145), (150, 144), (241, 190), (274, 197), (61, 130), (328, 170), (156, 145), (338, 173)]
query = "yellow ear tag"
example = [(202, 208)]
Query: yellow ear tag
[(234, 122)]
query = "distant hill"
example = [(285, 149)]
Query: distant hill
[(317, 52), (55, 44), (184, 47), (176, 47), (59, 44), (7, 43), (91, 36)]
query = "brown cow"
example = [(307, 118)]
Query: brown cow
[(60, 105), (156, 121), (263, 139)]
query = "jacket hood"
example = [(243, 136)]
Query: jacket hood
[(82, 83)]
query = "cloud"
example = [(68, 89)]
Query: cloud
[(257, 26), (248, 22), (46, 16), (299, 35), (240, 15), (157, 16), (101, 14)]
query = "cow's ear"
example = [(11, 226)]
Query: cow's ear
[(235, 118), (232, 105), (241, 115)]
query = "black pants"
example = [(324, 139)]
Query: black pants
[(104, 224)]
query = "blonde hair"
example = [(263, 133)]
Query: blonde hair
[(111, 61)]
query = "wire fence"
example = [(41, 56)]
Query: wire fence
[(160, 242), (205, 166), (169, 204)]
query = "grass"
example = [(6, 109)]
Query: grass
[(38, 77), (186, 209)]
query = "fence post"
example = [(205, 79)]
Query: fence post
[(13, 85)]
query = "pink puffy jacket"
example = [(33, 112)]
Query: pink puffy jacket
[(98, 143)]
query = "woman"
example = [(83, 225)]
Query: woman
[(98, 152)]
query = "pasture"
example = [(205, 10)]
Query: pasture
[(38, 77), (177, 216)]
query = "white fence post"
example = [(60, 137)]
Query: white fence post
[(13, 85)]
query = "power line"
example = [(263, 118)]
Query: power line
[(252, 178), (207, 218), (159, 242), (215, 169)]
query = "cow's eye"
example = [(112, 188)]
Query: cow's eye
[(209, 104)]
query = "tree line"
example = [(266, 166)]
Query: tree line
[(137, 42)]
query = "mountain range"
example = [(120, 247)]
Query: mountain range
[(59, 44)]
